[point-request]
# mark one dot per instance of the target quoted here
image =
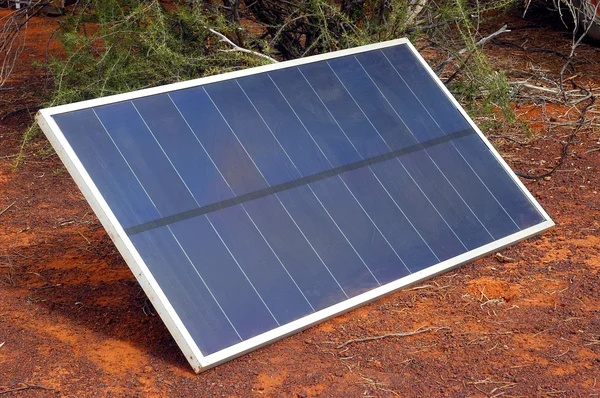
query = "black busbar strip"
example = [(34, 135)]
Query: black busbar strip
[(185, 215)]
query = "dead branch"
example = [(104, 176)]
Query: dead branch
[(580, 124), (30, 110), (401, 334), (481, 42), (441, 67), (416, 6), (506, 137), (235, 47), (13, 32), (26, 386), (504, 259), (533, 87), (10, 277), (484, 40), (8, 207)]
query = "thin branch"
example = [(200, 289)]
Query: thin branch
[(416, 6), (484, 40), (401, 334), (13, 33), (505, 137), (235, 47), (531, 86), (480, 43), (9, 206), (15, 112), (423, 28), (581, 123), (26, 386)]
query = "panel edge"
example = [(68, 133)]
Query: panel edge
[(304, 323), (217, 78), (491, 147), (124, 245)]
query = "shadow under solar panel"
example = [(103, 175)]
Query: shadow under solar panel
[(254, 204)]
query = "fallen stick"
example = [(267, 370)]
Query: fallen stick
[(505, 137), (504, 259), (9, 206), (531, 86), (401, 334), (418, 288), (26, 386)]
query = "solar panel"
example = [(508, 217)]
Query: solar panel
[(253, 204)]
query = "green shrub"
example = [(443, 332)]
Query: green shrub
[(114, 46)]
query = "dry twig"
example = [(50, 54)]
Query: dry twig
[(13, 32), (506, 137), (26, 386), (504, 259), (418, 288), (416, 6), (235, 47), (401, 334), (480, 43), (8, 207), (378, 385)]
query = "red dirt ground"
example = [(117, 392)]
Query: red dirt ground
[(527, 323)]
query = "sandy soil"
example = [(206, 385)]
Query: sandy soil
[(74, 321)]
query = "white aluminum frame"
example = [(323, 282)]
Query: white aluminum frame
[(152, 288)]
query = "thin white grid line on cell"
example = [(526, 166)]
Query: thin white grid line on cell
[(461, 198), (426, 151), (313, 249), (329, 112), (243, 207), (310, 187), (278, 259), (429, 156), (168, 227), (164, 153), (453, 145), (277, 196), (240, 267), (325, 156), (399, 161), (370, 168), (210, 222), (372, 172), (236, 137), (329, 161), (268, 127)]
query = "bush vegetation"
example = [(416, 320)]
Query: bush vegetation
[(113, 46)]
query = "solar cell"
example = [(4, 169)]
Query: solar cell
[(253, 204)]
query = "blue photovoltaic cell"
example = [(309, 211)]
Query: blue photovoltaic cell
[(259, 200)]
